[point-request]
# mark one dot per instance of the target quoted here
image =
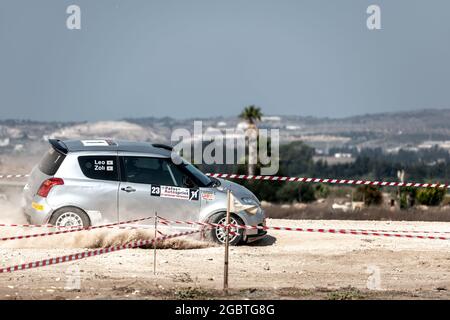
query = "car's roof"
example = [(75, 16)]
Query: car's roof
[(67, 146)]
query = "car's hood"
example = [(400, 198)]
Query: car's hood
[(237, 190)]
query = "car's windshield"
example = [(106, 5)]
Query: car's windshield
[(202, 179)]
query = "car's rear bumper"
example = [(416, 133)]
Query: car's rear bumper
[(37, 211)]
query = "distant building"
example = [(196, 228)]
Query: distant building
[(430, 144), (4, 142), (342, 155), (242, 125), (410, 149), (393, 150), (270, 118), (18, 147)]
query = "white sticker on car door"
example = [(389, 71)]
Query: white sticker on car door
[(174, 192)]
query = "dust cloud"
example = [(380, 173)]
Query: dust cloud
[(10, 212), (10, 207), (91, 239)]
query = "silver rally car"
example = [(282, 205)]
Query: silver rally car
[(91, 182)]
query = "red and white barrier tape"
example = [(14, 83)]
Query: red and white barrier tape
[(11, 176), (367, 230), (403, 231), (92, 253), (74, 227), (331, 181), (345, 231), (301, 179), (198, 223), (69, 228), (320, 230), (28, 225), (77, 229)]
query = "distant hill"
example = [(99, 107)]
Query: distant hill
[(427, 120), (431, 120), (406, 121), (385, 130)]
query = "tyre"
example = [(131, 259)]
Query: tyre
[(70, 217), (219, 234)]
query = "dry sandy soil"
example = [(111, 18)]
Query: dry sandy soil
[(285, 265)]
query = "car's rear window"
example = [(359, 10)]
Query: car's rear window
[(51, 162), (99, 167)]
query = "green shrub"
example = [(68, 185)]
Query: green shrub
[(431, 196), (296, 192)]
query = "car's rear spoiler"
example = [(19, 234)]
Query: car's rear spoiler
[(59, 146)]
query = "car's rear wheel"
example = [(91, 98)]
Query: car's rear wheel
[(219, 234), (70, 217)]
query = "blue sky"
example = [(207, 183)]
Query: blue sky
[(198, 58)]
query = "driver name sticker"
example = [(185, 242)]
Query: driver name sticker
[(174, 192), (103, 165)]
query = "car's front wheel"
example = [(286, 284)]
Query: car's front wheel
[(70, 217), (219, 234)]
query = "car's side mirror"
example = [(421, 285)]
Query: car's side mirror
[(188, 183)]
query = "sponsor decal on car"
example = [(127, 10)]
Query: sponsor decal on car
[(37, 206), (174, 192), (97, 143), (94, 143), (208, 195)]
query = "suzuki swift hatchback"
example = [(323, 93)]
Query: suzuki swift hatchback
[(88, 182)]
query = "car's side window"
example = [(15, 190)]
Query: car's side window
[(176, 174), (151, 171), (99, 167)]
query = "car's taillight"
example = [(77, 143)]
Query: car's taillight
[(47, 185)]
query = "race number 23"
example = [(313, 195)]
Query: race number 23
[(155, 190)]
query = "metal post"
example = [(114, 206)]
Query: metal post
[(154, 242), (227, 244)]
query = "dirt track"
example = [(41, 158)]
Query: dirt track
[(284, 265)]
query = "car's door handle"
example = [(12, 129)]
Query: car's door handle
[(128, 189)]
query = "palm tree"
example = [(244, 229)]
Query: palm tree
[(251, 114)]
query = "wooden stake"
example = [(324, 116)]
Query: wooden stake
[(154, 243), (227, 245)]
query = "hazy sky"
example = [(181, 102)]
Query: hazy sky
[(195, 58)]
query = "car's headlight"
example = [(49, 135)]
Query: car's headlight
[(249, 201)]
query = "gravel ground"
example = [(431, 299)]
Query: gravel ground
[(283, 265)]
